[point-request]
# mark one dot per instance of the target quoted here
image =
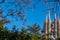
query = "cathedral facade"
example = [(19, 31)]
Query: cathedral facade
[(52, 27)]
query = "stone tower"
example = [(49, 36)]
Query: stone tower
[(55, 25), (49, 24), (58, 27), (45, 27)]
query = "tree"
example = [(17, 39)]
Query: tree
[(23, 34), (14, 34), (2, 30), (34, 31), (1, 23)]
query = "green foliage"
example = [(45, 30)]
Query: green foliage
[(23, 34), (35, 29)]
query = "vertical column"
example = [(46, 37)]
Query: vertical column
[(46, 27), (55, 25), (58, 27), (49, 23)]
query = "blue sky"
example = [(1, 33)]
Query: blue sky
[(37, 15)]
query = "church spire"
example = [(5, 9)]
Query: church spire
[(49, 14), (46, 18), (55, 24), (54, 15), (58, 16), (49, 22)]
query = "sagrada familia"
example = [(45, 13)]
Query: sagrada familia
[(52, 27)]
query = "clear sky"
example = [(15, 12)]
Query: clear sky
[(37, 15)]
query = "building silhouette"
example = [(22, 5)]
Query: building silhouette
[(51, 27)]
